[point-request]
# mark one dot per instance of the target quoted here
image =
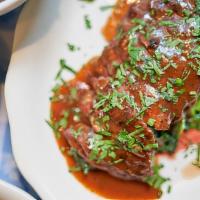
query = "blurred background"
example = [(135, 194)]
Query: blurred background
[(8, 168)]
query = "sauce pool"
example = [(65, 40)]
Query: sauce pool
[(107, 186)]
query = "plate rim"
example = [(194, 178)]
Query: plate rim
[(9, 5), (7, 187)]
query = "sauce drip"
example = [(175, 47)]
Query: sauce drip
[(109, 187), (112, 188), (190, 172)]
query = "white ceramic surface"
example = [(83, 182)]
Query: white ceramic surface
[(10, 192), (42, 33), (8, 5)]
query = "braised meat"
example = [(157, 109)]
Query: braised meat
[(143, 82)]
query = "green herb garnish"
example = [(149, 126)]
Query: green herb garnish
[(76, 133), (156, 180), (193, 122), (198, 6), (149, 147), (55, 131), (168, 23), (72, 47), (64, 66), (169, 94), (114, 100), (88, 1), (107, 7), (101, 149), (73, 93), (129, 141), (197, 161), (88, 23), (151, 122), (187, 13), (177, 82), (81, 165), (168, 139), (169, 12), (59, 125)]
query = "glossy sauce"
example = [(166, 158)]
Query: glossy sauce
[(110, 29)]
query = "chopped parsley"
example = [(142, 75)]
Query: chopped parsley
[(168, 139), (172, 43), (197, 161), (120, 34), (72, 47), (198, 6), (168, 23), (186, 13), (168, 93), (87, 21), (64, 66), (151, 122), (104, 133), (61, 124), (76, 133), (73, 93), (156, 180), (193, 122), (196, 21), (169, 12), (107, 7), (132, 141), (112, 100), (149, 147), (51, 125), (134, 52), (120, 76), (81, 165), (88, 1), (177, 82), (138, 21), (101, 149), (146, 100), (152, 68)]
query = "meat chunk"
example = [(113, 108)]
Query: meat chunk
[(143, 82), (133, 165)]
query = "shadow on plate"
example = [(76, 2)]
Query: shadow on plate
[(25, 26)]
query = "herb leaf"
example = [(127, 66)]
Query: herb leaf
[(88, 23), (197, 161), (64, 66), (81, 165), (156, 180)]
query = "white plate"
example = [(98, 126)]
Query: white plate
[(10, 192), (8, 5), (42, 33)]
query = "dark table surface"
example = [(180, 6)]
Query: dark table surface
[(8, 168), (7, 29)]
